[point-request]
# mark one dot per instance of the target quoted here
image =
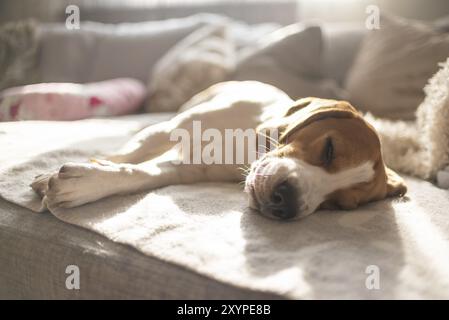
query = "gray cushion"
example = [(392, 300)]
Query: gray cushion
[(296, 48), (442, 23), (290, 59), (393, 65), (341, 44)]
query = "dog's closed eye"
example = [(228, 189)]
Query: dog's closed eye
[(327, 154)]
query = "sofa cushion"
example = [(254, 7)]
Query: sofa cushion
[(290, 59), (341, 42), (393, 65)]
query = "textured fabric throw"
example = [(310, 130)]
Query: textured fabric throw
[(207, 227)]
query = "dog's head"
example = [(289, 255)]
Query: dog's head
[(328, 157)]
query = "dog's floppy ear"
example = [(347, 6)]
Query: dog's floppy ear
[(395, 184), (298, 105), (308, 110)]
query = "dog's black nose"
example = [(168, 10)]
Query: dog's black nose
[(283, 202)]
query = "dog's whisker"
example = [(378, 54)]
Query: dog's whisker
[(245, 170), (271, 139)]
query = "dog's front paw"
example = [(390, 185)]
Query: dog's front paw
[(40, 184), (78, 183)]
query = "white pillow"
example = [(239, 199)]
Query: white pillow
[(393, 65), (205, 57)]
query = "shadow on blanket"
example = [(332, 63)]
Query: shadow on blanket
[(333, 249)]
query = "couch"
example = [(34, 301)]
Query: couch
[(35, 249)]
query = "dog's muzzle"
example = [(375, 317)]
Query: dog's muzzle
[(271, 189)]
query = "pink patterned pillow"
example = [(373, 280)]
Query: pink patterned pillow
[(70, 101)]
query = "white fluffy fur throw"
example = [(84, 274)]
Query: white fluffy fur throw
[(420, 148)]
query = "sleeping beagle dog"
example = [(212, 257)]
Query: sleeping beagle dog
[(327, 156)]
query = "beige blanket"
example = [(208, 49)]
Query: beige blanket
[(401, 244)]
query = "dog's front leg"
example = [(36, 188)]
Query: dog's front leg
[(145, 145), (79, 183)]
